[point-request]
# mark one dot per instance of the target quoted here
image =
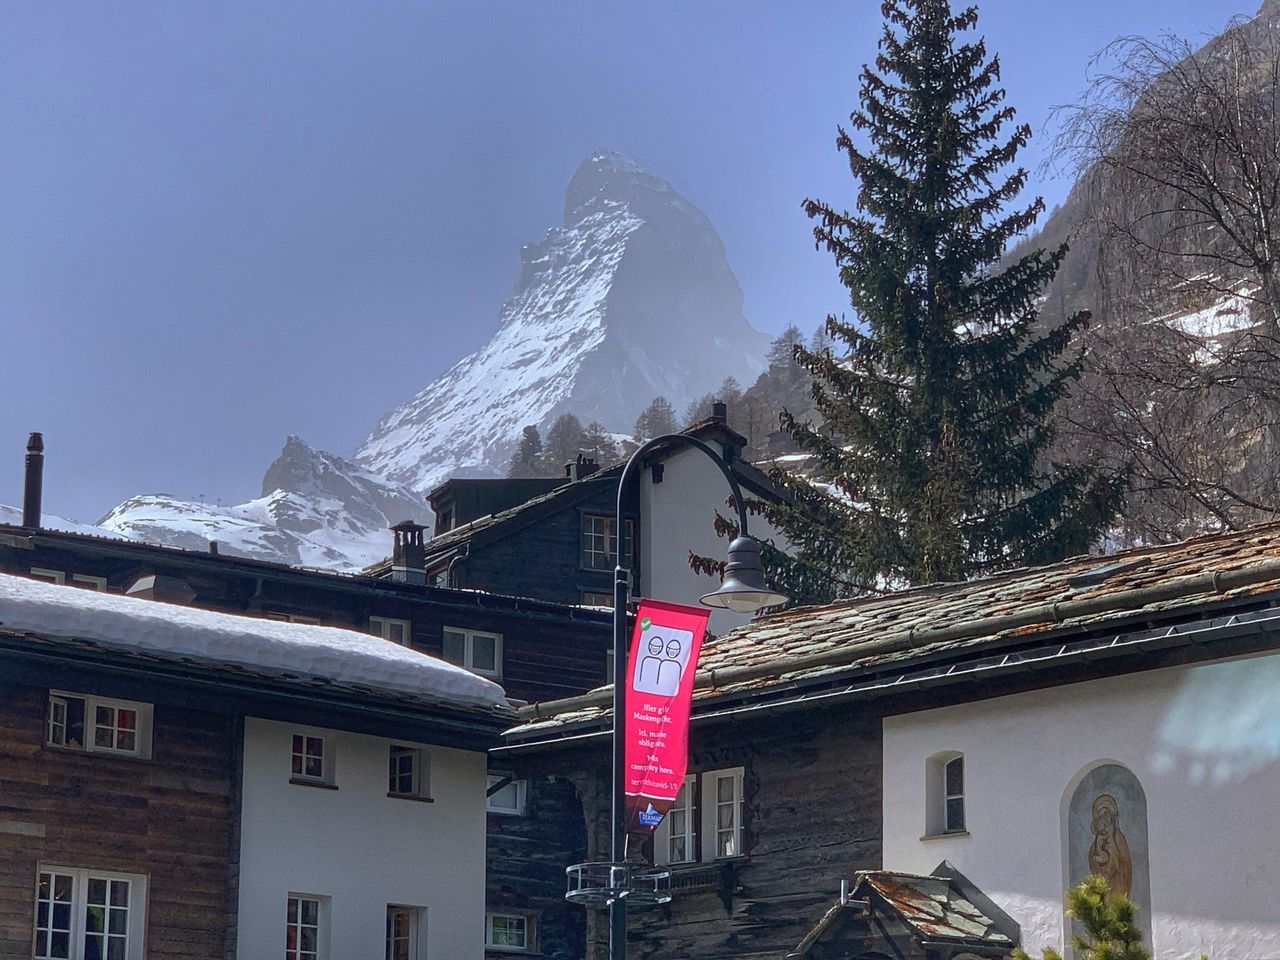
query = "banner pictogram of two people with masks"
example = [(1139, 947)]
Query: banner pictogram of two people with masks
[(664, 655)]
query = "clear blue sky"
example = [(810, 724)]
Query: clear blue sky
[(223, 223)]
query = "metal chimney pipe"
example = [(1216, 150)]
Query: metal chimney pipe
[(33, 485)]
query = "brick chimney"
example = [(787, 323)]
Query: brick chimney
[(581, 468), (408, 557)]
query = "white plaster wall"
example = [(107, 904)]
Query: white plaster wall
[(678, 516), (1205, 743), (359, 847)]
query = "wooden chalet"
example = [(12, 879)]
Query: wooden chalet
[(555, 539), (1133, 695), (179, 783)]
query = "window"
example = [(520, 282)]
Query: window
[(508, 931), (389, 628), (409, 772), (944, 794), (311, 762), (681, 837), (444, 520), (953, 782), (705, 823), (600, 542), (479, 652), (405, 932), (88, 915), (292, 618), (591, 599), (98, 725), (506, 795), (305, 927), (53, 576), (86, 582)]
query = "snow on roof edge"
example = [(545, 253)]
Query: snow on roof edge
[(332, 653)]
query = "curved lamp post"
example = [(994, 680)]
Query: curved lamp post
[(742, 589)]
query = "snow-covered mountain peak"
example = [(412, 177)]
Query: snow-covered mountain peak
[(630, 298), (316, 510), (607, 177)]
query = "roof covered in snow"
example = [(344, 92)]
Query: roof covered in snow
[(289, 652)]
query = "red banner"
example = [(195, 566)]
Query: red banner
[(664, 655)]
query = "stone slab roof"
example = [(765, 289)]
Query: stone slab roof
[(950, 622)]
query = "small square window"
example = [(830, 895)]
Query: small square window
[(309, 761), (508, 931), (409, 772), (479, 652), (506, 795), (390, 628)]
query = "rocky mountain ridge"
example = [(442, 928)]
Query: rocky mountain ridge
[(630, 298)]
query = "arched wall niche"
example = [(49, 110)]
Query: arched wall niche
[(1104, 832)]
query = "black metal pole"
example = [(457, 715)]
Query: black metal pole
[(621, 594)]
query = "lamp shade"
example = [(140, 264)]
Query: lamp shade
[(743, 588)]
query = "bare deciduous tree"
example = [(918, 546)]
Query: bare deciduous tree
[(1182, 149)]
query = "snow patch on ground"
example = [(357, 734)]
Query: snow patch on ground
[(329, 653)]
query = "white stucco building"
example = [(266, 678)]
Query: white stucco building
[(1053, 784), (676, 519), (371, 833)]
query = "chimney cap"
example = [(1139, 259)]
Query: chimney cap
[(720, 411), (35, 442), (408, 525)]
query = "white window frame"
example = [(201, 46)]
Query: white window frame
[(530, 932), (49, 576), (417, 929), (321, 927), (469, 637), (383, 627), (666, 829), (144, 722), (701, 834), (937, 798), (592, 539), (421, 771), (326, 757), (521, 792), (135, 923), (85, 581), (303, 618), (710, 813)]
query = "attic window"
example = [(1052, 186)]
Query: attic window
[(1100, 574)]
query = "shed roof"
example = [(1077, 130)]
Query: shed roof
[(951, 622)]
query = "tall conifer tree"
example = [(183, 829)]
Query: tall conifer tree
[(934, 403)]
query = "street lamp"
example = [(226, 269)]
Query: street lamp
[(743, 590)]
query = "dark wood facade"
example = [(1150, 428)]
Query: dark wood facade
[(169, 818), (549, 650), (811, 816)]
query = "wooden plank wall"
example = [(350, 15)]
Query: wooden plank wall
[(168, 818), (812, 817)]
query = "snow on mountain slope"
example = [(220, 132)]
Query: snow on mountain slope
[(316, 510), (629, 299), (13, 516)]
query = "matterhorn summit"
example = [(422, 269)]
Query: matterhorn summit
[(629, 299)]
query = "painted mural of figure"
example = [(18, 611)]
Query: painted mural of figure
[(1109, 853)]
